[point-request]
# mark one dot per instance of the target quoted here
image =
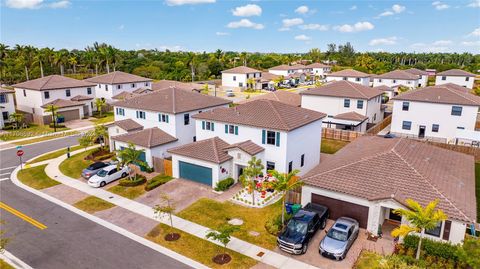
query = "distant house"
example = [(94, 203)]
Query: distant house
[(289, 98), (423, 81), (397, 78), (238, 77), (74, 98), (455, 76), (7, 105), (285, 70), (445, 112), (431, 72), (348, 105), (191, 86), (113, 83), (318, 69), (372, 176), (350, 75)]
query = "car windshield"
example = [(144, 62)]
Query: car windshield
[(102, 173), (337, 235), (296, 227)]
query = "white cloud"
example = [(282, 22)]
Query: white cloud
[(423, 47), (471, 43), (383, 41), (314, 26), (222, 33), (171, 48), (353, 7), (188, 2), (398, 8), (245, 23), (60, 4), (283, 29), (475, 32), (439, 5), (386, 13), (247, 11), (302, 10), (302, 38), (442, 42), (357, 27), (292, 22), (395, 9), (20, 4), (474, 4)]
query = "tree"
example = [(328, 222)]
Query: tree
[(101, 133), (100, 104), (16, 117), (251, 84), (250, 174), (223, 236), (53, 110), (285, 183), (419, 219), (167, 209), (469, 252), (85, 140), (130, 155)]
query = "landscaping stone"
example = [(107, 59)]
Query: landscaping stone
[(253, 233), (235, 222)]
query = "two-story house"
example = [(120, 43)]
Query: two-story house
[(397, 78), (318, 69), (455, 76), (164, 115), (423, 80), (73, 98), (350, 75), (229, 137), (286, 70), (441, 112), (113, 83), (238, 77), (7, 106), (348, 105)]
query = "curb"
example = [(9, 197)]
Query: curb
[(14, 261)]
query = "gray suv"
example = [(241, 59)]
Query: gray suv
[(339, 238)]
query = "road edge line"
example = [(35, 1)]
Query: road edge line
[(14, 261)]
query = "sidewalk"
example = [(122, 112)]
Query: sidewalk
[(269, 257)]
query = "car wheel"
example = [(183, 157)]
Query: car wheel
[(124, 174), (305, 248), (324, 224), (343, 256), (102, 184)]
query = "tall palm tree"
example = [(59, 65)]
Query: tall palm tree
[(250, 174), (419, 219), (285, 183), (4, 54), (53, 109), (100, 104), (42, 57), (60, 59), (72, 60)]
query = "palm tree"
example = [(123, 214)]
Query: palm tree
[(251, 83), (60, 59), (16, 117), (285, 183), (53, 109), (250, 174), (130, 155), (73, 61), (101, 133), (100, 104), (419, 219)]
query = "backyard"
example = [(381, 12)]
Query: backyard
[(331, 146)]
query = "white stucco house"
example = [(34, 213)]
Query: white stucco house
[(111, 84), (285, 70), (318, 69), (269, 130), (348, 105), (455, 76), (238, 77), (372, 176), (74, 98), (7, 105), (350, 75), (442, 112), (397, 78), (423, 80)]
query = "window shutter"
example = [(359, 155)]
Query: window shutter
[(160, 117), (263, 136), (203, 125), (226, 128), (213, 126), (446, 230), (137, 114), (167, 118), (277, 141), (236, 130)]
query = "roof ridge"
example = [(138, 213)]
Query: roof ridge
[(354, 85), (48, 80), (113, 77), (150, 135), (174, 102), (277, 113), (215, 151), (461, 95)]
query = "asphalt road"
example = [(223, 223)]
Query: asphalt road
[(69, 241)]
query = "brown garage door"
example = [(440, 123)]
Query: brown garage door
[(73, 114), (339, 208)]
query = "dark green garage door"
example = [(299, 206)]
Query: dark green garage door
[(196, 173)]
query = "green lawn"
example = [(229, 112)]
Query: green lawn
[(197, 249), (213, 214), (33, 130), (93, 204), (5, 265), (36, 178), (477, 188), (109, 117), (128, 192), (331, 146), (54, 154), (73, 166)]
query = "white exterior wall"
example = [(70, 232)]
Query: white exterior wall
[(426, 114), (114, 131), (102, 92), (279, 72), (455, 80), (8, 106), (228, 79), (321, 71), (412, 83), (217, 175), (296, 146), (423, 81), (241, 158), (374, 110), (364, 81)]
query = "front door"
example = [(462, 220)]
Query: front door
[(421, 131)]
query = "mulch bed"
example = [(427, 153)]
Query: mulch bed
[(222, 259), (172, 237)]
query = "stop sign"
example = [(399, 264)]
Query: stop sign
[(20, 152)]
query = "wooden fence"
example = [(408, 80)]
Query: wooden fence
[(163, 166), (294, 196), (380, 126), (338, 134)]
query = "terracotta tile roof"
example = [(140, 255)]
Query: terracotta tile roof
[(172, 100), (398, 74), (163, 84), (53, 82), (348, 73), (416, 71), (264, 114), (81, 98), (383, 88), (210, 150), (148, 138), (353, 116), (286, 97), (317, 65), (117, 77), (248, 146), (456, 72), (343, 88), (61, 103), (269, 76), (287, 67), (443, 94), (128, 125), (5, 90), (241, 70), (142, 90), (376, 168), (124, 95)]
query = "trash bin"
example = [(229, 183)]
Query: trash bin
[(288, 208), (295, 208)]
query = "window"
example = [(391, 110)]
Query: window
[(302, 160), (270, 166), (360, 104), (406, 125), (357, 79), (379, 80), (375, 117), (456, 111), (140, 114), (271, 137), (409, 82), (231, 129), (240, 84), (460, 128), (234, 78), (290, 166), (5, 115), (3, 98), (46, 95), (435, 128), (467, 78), (208, 125), (346, 103), (146, 84), (194, 139), (163, 118), (120, 111), (186, 119), (67, 93), (444, 78), (344, 78), (119, 86), (99, 86), (89, 90), (24, 93), (133, 85), (394, 81), (106, 88), (405, 106), (435, 231)]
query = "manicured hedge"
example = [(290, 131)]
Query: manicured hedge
[(157, 181), (433, 248), (224, 184), (126, 182)]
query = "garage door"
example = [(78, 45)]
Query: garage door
[(339, 208), (73, 114), (195, 172)]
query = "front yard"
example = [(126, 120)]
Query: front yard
[(331, 146), (73, 166), (106, 117), (36, 178), (93, 204)]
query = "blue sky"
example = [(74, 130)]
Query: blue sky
[(263, 26)]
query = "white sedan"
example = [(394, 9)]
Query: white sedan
[(107, 175)]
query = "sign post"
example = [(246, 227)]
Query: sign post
[(20, 152)]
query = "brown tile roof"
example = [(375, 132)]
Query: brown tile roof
[(287, 67), (148, 138), (376, 168), (61, 103), (398, 74), (343, 88), (248, 146), (416, 71), (124, 95), (241, 70), (383, 88), (163, 84), (142, 90), (354, 116), (269, 76), (286, 97), (456, 72), (448, 93), (5, 90), (117, 77), (264, 114), (53, 82), (349, 73), (317, 65), (210, 150), (172, 100), (128, 125), (81, 98)]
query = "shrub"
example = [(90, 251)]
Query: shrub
[(125, 182), (157, 181), (58, 125), (224, 184), (103, 157), (274, 224), (431, 247)]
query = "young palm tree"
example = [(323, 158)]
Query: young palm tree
[(16, 117), (101, 133), (285, 183), (250, 173), (420, 219), (53, 109), (100, 104), (130, 155)]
